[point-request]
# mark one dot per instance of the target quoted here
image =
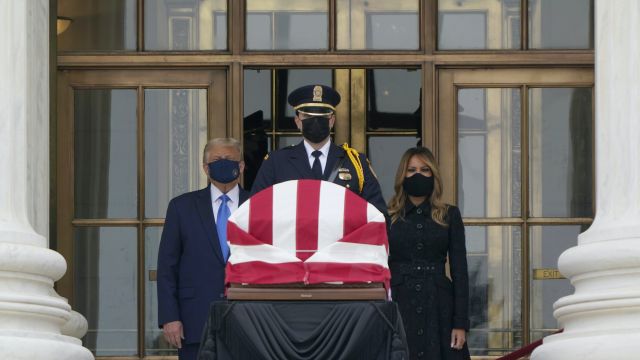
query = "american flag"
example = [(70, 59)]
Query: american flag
[(307, 231)]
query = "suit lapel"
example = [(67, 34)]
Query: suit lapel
[(300, 161), (205, 209)]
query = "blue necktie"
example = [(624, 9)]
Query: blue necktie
[(221, 224)]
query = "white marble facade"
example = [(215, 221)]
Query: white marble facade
[(602, 318), (35, 322)]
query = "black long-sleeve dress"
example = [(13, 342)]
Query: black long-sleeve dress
[(431, 305)]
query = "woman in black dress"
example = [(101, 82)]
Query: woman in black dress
[(423, 232)]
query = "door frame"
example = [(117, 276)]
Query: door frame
[(449, 81), (214, 80)]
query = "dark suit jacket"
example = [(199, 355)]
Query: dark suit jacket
[(190, 263), (292, 163)]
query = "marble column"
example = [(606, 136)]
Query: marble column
[(602, 318), (35, 322)]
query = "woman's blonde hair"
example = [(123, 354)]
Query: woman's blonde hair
[(398, 201)]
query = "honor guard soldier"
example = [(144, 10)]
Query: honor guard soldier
[(316, 157)]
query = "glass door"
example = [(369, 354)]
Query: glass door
[(515, 148), (127, 142), (380, 113)]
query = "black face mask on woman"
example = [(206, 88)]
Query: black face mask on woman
[(315, 129), (418, 185)]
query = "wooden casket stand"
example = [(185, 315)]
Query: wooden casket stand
[(289, 292)]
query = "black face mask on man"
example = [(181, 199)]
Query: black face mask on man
[(418, 185), (224, 170), (316, 128)]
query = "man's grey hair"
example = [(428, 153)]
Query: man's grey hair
[(226, 142)]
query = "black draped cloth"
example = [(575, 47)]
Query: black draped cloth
[(303, 330)]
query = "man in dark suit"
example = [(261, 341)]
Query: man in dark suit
[(316, 157), (193, 250)]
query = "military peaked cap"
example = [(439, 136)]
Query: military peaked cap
[(314, 98)]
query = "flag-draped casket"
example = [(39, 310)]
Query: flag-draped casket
[(307, 231)]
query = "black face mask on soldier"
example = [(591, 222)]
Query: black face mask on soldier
[(315, 129), (418, 185)]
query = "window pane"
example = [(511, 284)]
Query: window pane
[(154, 340), (257, 121), (289, 80), (547, 243), (495, 290), (105, 283), (287, 25), (489, 152), (377, 24), (561, 24), (263, 99), (561, 152), (259, 34), (175, 132), (384, 153), (185, 25), (98, 25), (257, 96), (105, 154), (393, 99), (482, 24)]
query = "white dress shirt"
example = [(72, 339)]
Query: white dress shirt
[(323, 158), (234, 199)]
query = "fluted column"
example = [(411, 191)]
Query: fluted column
[(602, 318), (33, 317)]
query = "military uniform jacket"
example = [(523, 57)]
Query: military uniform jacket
[(292, 163), (431, 305)]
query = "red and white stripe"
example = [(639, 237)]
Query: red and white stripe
[(307, 231)]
